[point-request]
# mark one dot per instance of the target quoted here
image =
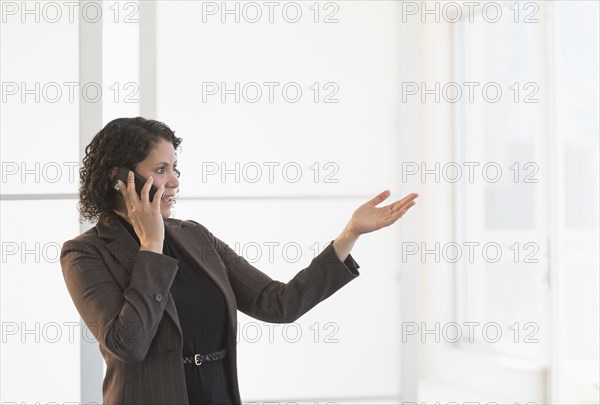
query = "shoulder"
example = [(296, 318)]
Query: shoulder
[(86, 241), (187, 225), (183, 223), (89, 236)]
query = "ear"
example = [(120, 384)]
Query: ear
[(113, 172)]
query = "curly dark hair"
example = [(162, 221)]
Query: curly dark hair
[(122, 142)]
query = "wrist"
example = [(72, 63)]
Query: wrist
[(342, 245), (349, 234), (153, 247)]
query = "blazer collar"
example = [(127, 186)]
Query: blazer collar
[(111, 229), (120, 243)]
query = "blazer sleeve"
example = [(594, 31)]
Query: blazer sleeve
[(269, 300), (123, 321)]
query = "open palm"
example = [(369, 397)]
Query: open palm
[(368, 217)]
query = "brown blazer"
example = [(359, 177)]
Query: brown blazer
[(122, 294)]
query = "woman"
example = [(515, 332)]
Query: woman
[(161, 294)]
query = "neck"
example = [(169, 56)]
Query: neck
[(121, 211)]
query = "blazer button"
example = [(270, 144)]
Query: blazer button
[(158, 297)]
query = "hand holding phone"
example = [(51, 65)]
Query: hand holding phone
[(145, 216), (139, 182)]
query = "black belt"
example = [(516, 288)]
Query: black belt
[(198, 358)]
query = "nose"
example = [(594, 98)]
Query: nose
[(173, 181)]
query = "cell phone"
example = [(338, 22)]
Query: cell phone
[(122, 175)]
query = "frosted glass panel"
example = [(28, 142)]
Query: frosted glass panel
[(505, 207), (40, 325), (581, 172), (40, 98), (502, 56), (576, 60)]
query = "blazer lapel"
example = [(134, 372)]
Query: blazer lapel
[(194, 241), (123, 247), (200, 251), (120, 244)]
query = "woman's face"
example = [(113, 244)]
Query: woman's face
[(161, 164)]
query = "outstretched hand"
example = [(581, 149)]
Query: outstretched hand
[(368, 217)]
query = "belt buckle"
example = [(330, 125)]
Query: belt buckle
[(197, 359)]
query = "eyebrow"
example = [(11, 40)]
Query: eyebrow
[(165, 163)]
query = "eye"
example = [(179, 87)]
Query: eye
[(177, 172), (161, 170)]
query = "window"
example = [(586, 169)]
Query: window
[(501, 135), (543, 133)]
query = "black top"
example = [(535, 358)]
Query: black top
[(203, 319)]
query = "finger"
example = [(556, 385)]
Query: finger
[(158, 196), (133, 198), (123, 190), (146, 189), (409, 197), (401, 211), (379, 198), (400, 204)]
